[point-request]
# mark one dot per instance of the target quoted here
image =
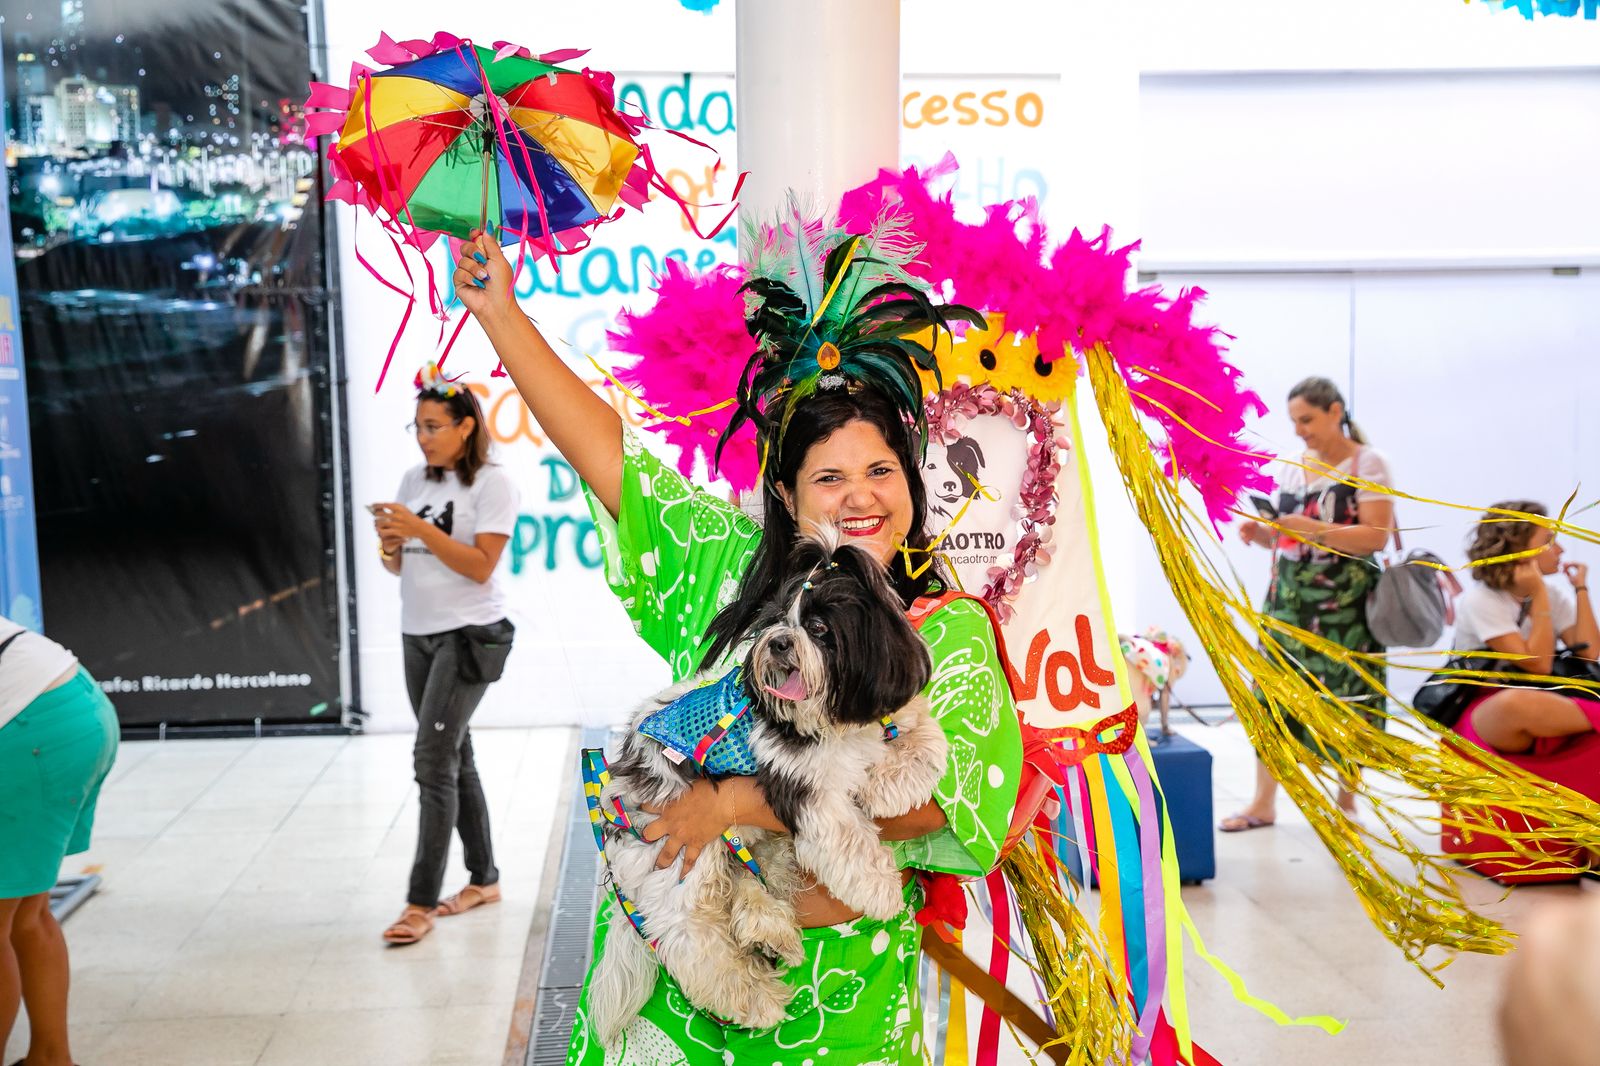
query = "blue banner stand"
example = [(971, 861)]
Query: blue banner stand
[(19, 538)]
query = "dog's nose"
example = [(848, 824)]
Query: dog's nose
[(950, 486), (780, 645)]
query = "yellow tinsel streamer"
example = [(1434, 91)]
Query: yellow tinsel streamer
[(1092, 1005), (1408, 892)]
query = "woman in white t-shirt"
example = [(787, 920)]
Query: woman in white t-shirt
[(1323, 567), (58, 739), (1523, 609), (444, 538)]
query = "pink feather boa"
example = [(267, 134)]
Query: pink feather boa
[(690, 348), (1076, 297), (691, 345)]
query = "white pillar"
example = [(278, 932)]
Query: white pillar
[(818, 98), (1100, 98)]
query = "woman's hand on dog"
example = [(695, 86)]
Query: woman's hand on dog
[(699, 816), (689, 823)]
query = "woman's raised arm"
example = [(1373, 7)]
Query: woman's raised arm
[(583, 427)]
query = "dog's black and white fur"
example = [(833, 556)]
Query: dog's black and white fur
[(839, 632)]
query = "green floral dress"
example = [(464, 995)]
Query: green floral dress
[(675, 557), (1326, 593)]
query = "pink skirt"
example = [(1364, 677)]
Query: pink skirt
[(1572, 761)]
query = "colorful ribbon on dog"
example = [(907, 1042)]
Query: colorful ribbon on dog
[(596, 776)]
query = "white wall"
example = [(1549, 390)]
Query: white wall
[(1308, 171), (1351, 35), (1475, 385)]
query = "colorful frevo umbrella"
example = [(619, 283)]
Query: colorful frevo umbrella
[(452, 136)]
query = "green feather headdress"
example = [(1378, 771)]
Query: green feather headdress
[(833, 309)]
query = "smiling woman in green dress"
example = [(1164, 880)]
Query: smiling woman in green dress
[(690, 571)]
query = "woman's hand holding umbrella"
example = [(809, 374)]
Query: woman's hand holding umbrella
[(483, 278)]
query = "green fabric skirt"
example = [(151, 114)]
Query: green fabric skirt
[(855, 1004), (1328, 597)]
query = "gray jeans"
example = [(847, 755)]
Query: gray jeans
[(452, 795)]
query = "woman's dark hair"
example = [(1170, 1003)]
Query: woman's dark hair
[(1323, 394), (461, 404), (1496, 535), (814, 420)]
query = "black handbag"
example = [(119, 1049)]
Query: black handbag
[(1445, 699), (482, 651)]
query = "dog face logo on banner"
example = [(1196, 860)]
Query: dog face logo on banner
[(975, 470), (954, 473)]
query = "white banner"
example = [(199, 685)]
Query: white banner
[(1060, 642), (1062, 639)]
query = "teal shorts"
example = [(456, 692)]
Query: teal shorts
[(53, 758)]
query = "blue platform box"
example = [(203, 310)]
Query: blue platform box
[(1184, 770)]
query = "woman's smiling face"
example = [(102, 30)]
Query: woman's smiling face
[(853, 479)]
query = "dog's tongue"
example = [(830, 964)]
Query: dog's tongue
[(792, 689)]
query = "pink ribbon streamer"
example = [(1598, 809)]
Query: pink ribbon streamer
[(988, 1050)]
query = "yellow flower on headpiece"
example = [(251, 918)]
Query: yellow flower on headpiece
[(993, 356)]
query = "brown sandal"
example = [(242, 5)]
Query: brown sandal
[(468, 898), (414, 924)]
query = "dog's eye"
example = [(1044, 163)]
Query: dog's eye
[(817, 628)]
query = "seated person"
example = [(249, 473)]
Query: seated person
[(1519, 609)]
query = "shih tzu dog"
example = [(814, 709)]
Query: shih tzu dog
[(828, 666)]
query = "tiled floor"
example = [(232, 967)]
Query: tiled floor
[(247, 883)]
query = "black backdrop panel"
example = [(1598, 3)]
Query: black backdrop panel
[(169, 234)]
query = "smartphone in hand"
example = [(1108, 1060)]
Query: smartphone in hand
[(1264, 507)]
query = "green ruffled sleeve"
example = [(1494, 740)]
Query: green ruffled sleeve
[(674, 555), (971, 701)]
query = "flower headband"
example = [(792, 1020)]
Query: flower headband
[(430, 381)]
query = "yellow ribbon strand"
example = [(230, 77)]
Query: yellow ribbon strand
[(1084, 988), (653, 412), (834, 288), (1147, 372), (931, 551), (1328, 1024), (955, 1044)]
